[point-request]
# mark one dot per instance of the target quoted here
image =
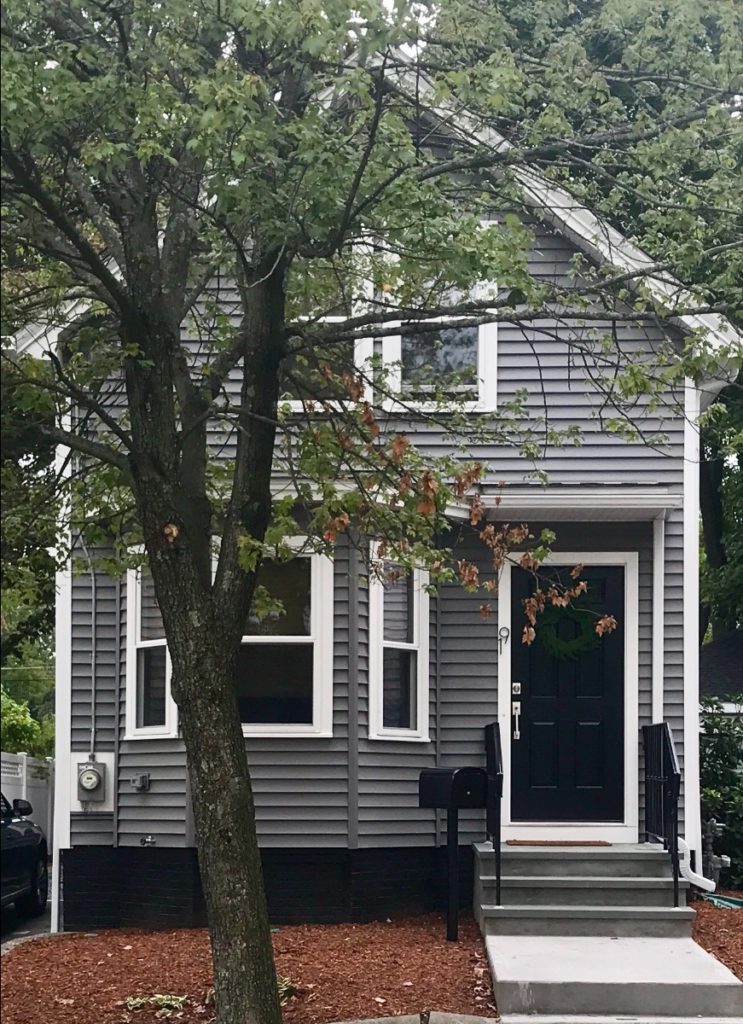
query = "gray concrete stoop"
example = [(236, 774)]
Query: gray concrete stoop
[(589, 935)]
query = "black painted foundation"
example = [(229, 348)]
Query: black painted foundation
[(106, 887)]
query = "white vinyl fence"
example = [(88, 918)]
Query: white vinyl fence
[(26, 778)]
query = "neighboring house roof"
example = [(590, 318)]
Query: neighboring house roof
[(721, 666)]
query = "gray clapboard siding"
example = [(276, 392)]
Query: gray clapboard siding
[(106, 668), (91, 829), (302, 785)]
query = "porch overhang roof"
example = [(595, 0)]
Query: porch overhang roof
[(574, 504)]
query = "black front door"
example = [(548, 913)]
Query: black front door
[(567, 747)]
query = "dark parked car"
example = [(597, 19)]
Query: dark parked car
[(25, 880)]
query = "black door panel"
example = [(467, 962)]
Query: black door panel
[(568, 764)]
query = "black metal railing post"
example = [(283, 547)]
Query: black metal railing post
[(662, 790), (494, 769)]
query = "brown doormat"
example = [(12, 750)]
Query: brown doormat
[(556, 842)]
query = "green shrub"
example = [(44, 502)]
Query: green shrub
[(18, 730), (721, 751)]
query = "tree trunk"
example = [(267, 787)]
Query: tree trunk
[(711, 471), (224, 815)]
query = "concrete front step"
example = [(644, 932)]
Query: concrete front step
[(580, 890), (613, 977), (639, 860), (585, 920)]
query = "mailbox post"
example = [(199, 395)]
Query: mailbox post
[(451, 789)]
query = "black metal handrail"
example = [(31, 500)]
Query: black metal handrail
[(494, 769), (662, 788)]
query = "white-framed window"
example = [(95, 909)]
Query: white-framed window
[(398, 654), (285, 662), (457, 363), (150, 709)]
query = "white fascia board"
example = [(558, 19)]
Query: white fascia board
[(651, 501), (607, 245)]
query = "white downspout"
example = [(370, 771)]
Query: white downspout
[(685, 868)]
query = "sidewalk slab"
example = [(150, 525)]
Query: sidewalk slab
[(565, 974)]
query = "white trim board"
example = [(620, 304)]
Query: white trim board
[(659, 614), (691, 791), (62, 732), (627, 830)]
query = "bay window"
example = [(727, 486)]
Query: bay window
[(284, 677), (398, 654), (150, 710)]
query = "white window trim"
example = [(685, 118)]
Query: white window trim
[(487, 372), (377, 643), (321, 637), (169, 729)]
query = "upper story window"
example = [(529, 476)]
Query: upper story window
[(398, 655), (285, 661), (150, 710), (457, 364)]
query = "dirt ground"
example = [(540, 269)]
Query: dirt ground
[(340, 972), (721, 933)]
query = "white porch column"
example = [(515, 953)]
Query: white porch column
[(658, 640)]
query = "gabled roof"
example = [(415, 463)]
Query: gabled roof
[(589, 232)]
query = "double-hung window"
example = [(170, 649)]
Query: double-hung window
[(435, 362), (150, 711), (398, 655), (285, 662)]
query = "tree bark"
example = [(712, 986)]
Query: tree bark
[(229, 859), (711, 471), (203, 685), (204, 619)]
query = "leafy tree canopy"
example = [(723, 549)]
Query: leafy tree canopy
[(314, 158)]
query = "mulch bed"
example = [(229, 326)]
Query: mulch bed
[(720, 932), (341, 972)]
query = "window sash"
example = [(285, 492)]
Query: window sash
[(169, 728), (320, 636), (418, 646), (484, 388)]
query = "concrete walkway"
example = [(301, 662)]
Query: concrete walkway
[(566, 976)]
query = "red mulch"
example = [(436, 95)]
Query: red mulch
[(341, 972), (721, 933)]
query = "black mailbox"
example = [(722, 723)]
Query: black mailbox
[(452, 788)]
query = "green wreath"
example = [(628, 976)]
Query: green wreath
[(547, 636)]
